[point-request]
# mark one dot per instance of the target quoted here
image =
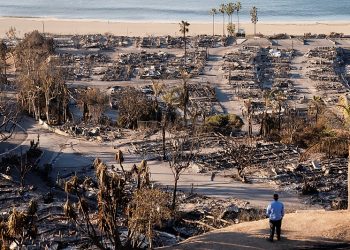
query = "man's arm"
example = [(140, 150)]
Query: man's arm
[(268, 211), (282, 210)]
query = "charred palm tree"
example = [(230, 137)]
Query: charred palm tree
[(238, 9), (184, 30), (279, 99), (157, 90), (213, 12), (119, 157), (317, 105), (254, 17), (184, 100), (167, 116), (222, 10)]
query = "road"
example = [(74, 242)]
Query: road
[(68, 155)]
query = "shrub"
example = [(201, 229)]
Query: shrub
[(224, 123)]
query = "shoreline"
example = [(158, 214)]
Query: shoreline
[(157, 28)]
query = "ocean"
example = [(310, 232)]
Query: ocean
[(176, 10)]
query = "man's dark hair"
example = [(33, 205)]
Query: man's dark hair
[(275, 197)]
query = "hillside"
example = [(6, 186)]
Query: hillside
[(301, 230)]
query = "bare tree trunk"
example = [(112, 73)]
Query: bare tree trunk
[(47, 112), (213, 27), (173, 205), (254, 29), (163, 137), (185, 47), (121, 166), (223, 24), (150, 235), (279, 117)]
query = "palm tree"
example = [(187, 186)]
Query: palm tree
[(157, 90), (230, 9), (222, 10), (317, 105), (279, 99), (168, 115), (238, 8), (254, 17), (213, 12), (184, 30), (184, 95)]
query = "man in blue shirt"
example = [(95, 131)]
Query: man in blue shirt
[(275, 212)]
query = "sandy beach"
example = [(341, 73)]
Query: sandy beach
[(65, 26)]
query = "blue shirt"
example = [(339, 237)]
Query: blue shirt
[(275, 211)]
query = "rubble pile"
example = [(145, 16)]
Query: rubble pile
[(326, 181), (200, 214), (160, 65), (203, 98), (153, 149), (241, 71), (84, 66), (325, 64), (251, 69), (146, 65), (271, 155), (91, 132), (97, 41), (170, 42)]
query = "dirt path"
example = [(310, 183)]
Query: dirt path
[(215, 75), (303, 230), (301, 81)]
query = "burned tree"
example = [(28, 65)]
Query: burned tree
[(9, 116), (181, 153), (168, 116), (184, 95), (134, 106), (243, 158), (55, 92), (3, 62), (141, 174), (94, 103), (118, 207), (20, 227), (148, 208), (111, 199), (42, 89), (119, 157)]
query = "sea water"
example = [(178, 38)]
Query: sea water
[(175, 10)]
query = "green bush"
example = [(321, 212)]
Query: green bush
[(224, 123), (218, 120), (235, 121)]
